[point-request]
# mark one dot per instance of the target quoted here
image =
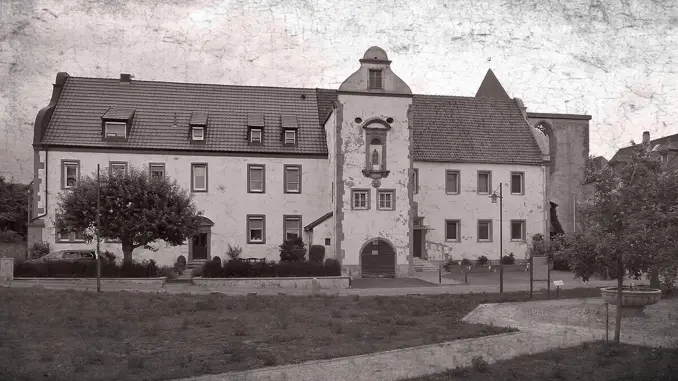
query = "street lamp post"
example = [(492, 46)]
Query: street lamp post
[(98, 227), (501, 234)]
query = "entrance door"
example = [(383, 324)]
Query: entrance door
[(200, 246), (378, 260), (416, 243)]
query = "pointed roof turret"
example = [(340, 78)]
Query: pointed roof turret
[(491, 88)]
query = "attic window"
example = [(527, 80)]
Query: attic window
[(289, 125), (198, 133), (290, 137), (255, 124), (255, 135), (375, 79), (116, 130)]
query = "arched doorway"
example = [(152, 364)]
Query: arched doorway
[(200, 244), (378, 259)]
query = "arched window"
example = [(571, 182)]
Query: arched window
[(547, 130)]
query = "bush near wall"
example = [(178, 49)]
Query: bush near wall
[(240, 269), (86, 269)]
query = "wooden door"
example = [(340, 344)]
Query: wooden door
[(378, 260), (416, 243), (200, 246)]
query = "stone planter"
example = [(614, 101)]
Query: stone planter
[(632, 300)]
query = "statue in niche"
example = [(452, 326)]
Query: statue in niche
[(375, 158)]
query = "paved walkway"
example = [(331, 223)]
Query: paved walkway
[(544, 326)]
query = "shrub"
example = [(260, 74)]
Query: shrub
[(317, 253), (10, 236), (216, 259), (479, 364), (240, 269), (234, 252), (482, 261), (86, 269), (38, 250), (333, 267), (466, 262), (180, 264), (508, 259), (211, 269), (449, 264), (293, 249)]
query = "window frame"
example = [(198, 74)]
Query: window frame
[(489, 230), (193, 188), (489, 182), (254, 167), (150, 170), (251, 217), (287, 167), (522, 182), (393, 201), (294, 137), (114, 123), (458, 230), (371, 79), (458, 182), (368, 202), (287, 217), (198, 128), (251, 135), (64, 181), (328, 242), (111, 164), (72, 237), (523, 230)]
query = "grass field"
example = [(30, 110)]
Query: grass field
[(589, 361), (70, 335)]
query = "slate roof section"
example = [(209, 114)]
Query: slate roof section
[(289, 121), (255, 120), (491, 87), (326, 98), (317, 222), (76, 121), (117, 113), (657, 145), (198, 118)]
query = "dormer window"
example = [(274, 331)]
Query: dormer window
[(255, 125), (198, 133), (116, 130), (116, 123), (290, 137), (255, 135), (375, 79)]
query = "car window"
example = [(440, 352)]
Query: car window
[(88, 255), (70, 255)]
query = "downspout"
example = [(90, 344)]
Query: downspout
[(46, 184), (574, 213)]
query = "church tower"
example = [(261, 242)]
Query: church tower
[(373, 170)]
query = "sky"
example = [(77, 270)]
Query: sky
[(614, 60)]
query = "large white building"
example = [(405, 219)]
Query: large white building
[(378, 175)]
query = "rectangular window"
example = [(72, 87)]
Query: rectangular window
[(292, 226), (415, 180), (664, 158), (64, 236), (255, 135), (452, 230), (327, 241), (485, 230), (198, 177), (292, 178), (375, 79), (256, 178), (290, 137), (451, 182), (117, 168), (70, 173), (385, 200), (360, 199), (256, 229), (484, 182), (157, 170), (517, 230), (116, 129), (198, 133), (517, 183)]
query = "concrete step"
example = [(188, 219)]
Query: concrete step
[(194, 263)]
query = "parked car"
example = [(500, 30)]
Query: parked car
[(72, 255)]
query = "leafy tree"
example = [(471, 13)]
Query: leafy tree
[(629, 225), (293, 249), (13, 206), (135, 210)]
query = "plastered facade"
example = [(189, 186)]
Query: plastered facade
[(436, 206), (227, 202)]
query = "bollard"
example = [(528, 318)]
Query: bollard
[(440, 274), (607, 323), (466, 278), (557, 291)]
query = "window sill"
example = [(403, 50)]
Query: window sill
[(292, 192), (452, 193), (484, 241), (256, 191), (360, 209), (517, 194), (256, 242), (518, 240), (452, 240), (198, 191), (385, 210)]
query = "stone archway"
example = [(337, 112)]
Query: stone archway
[(200, 244), (378, 259)]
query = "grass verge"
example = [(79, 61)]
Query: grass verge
[(75, 335), (589, 361)]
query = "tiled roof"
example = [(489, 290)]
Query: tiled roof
[(198, 118), (446, 128), (117, 113), (661, 144), (77, 116)]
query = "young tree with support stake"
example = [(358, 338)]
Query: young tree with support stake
[(629, 226), (135, 210)]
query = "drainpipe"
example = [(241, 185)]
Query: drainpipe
[(574, 212), (46, 182)]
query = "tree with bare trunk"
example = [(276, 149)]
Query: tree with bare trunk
[(629, 226), (136, 210)]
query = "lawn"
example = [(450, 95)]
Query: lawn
[(589, 361), (71, 335)]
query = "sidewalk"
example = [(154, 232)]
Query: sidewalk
[(419, 361)]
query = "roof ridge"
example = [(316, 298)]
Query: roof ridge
[(198, 83)]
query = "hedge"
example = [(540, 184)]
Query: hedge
[(240, 269), (86, 269)]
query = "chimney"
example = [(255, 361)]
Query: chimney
[(646, 137), (125, 78)]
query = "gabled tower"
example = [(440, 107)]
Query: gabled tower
[(373, 172)]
